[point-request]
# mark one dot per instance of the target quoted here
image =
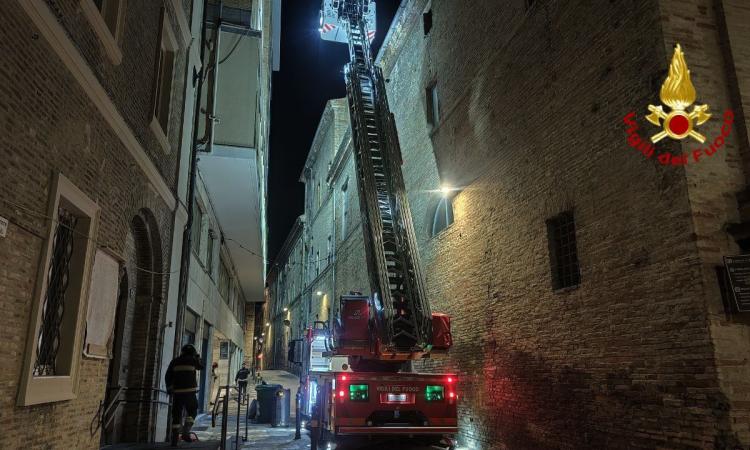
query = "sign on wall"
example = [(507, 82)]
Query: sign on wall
[(102, 307), (738, 269)]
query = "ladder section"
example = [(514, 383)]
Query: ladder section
[(401, 309)]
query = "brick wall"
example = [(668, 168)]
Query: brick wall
[(718, 61), (51, 126), (530, 127)]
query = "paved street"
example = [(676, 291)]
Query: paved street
[(259, 436), (263, 436)]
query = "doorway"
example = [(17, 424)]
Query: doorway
[(205, 350)]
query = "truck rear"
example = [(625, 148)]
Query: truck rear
[(366, 404)]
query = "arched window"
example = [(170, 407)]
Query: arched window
[(443, 215)]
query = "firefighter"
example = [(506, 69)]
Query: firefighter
[(182, 385), (241, 379)]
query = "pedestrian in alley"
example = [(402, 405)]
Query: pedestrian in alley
[(182, 385), (241, 379)]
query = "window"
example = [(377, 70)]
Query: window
[(163, 81), (563, 253), (443, 215), (197, 228), (224, 350), (344, 208), (191, 328), (317, 262), (54, 341), (112, 13), (427, 21), (330, 254), (318, 196), (210, 252), (107, 19), (224, 280), (433, 105)]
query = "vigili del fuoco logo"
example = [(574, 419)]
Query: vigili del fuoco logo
[(677, 93)]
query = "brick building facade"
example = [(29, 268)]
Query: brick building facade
[(625, 341), (98, 114), (84, 125)]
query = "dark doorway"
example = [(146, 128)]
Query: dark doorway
[(112, 419)]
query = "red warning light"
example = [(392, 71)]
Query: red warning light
[(451, 395), (450, 379), (341, 394), (343, 378)]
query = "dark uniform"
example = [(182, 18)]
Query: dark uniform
[(183, 385), (241, 379)]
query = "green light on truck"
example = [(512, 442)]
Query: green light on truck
[(358, 393), (434, 393)]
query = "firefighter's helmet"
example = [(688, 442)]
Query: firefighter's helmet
[(189, 350)]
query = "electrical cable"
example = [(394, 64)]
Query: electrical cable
[(101, 245)]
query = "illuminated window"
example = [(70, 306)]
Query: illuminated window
[(563, 251), (443, 217)]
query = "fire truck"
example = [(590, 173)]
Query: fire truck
[(357, 371)]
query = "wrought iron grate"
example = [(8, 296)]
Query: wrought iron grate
[(561, 232), (53, 308)]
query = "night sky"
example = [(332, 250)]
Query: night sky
[(311, 74)]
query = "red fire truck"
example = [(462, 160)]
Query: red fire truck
[(357, 370)]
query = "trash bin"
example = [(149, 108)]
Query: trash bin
[(281, 409), (266, 394)]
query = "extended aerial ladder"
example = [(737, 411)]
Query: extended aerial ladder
[(401, 314), (376, 334)]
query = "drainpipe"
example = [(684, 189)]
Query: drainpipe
[(203, 144), (197, 145)]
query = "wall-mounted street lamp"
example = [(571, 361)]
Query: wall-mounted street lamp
[(286, 309), (268, 324), (319, 293)]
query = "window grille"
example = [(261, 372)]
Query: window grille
[(224, 350), (563, 251), (53, 308)]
